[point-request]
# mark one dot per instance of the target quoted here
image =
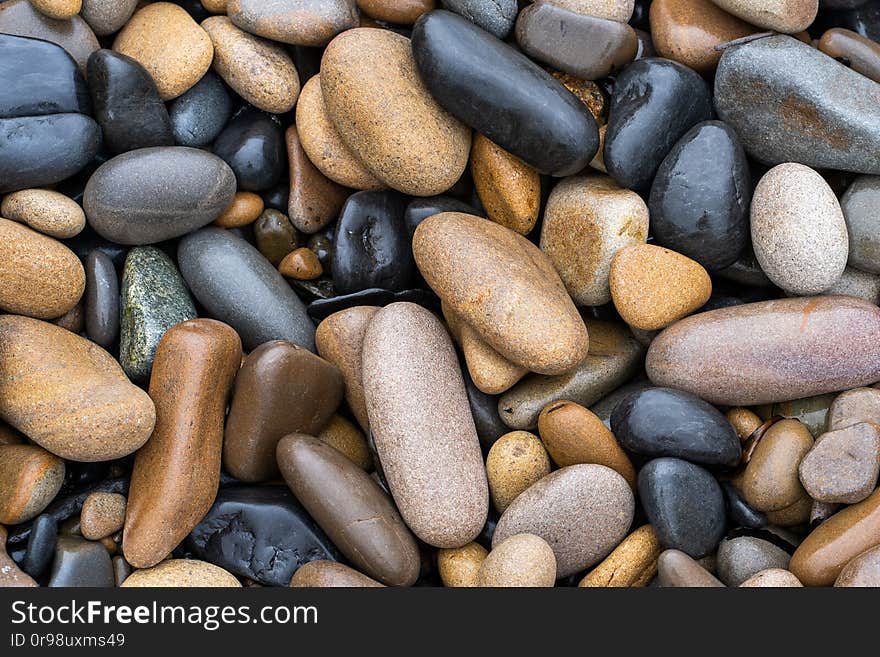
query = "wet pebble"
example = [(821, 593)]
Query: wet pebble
[(199, 114), (252, 144)]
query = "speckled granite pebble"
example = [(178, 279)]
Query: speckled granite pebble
[(521, 560)]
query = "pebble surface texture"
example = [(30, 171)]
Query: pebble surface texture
[(521, 560), (298, 22), (181, 573), (632, 563)]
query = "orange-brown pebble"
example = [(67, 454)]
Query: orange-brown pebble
[(771, 481), (46, 211), (102, 515), (516, 461), (30, 477), (744, 422), (587, 91), (402, 12), (348, 439), (58, 9), (633, 563), (330, 574), (301, 264), (862, 54), (460, 566), (245, 208), (314, 199)]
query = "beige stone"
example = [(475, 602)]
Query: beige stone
[(521, 560)]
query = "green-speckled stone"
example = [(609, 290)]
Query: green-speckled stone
[(154, 298)]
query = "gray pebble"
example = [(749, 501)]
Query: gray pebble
[(740, 558), (494, 16), (200, 114), (861, 208)]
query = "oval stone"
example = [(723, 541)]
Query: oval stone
[(770, 481), (861, 209), (782, 16), (107, 16), (198, 115), (20, 17), (181, 573), (30, 478), (330, 574), (298, 22), (48, 212), (252, 144), (863, 571), (102, 299), (521, 560)]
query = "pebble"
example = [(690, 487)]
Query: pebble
[(259, 532), (356, 514), (796, 117), (39, 276), (30, 478), (863, 571), (843, 464), (542, 331), (772, 578), (495, 16), (402, 12), (633, 563), (740, 558), (275, 236), (176, 474), (154, 298), (572, 434), (155, 194), (615, 10), (324, 574), (508, 188), (856, 283), (47, 368), (460, 567), (643, 128), (582, 511), (788, 16), (809, 346), (59, 9), (252, 144), (46, 211), (859, 205), (301, 264), (852, 407), (374, 96), (744, 422), (770, 481), (107, 16), (244, 210), (685, 505), (298, 22), (740, 513), (199, 114), (413, 388), (81, 563), (237, 285), (341, 434), (614, 358), (20, 18), (521, 560), (146, 36), (102, 515), (280, 389), (667, 422), (862, 54), (677, 569), (314, 200), (587, 47), (259, 71), (40, 546), (587, 220), (102, 299), (796, 515), (503, 95), (515, 462), (181, 573)]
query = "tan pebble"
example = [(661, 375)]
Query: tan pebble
[(102, 515), (74, 320), (58, 9), (301, 264), (786, 16), (863, 571), (509, 189), (400, 12), (48, 212), (632, 563), (771, 482), (258, 70), (181, 573), (744, 422), (587, 91), (521, 560), (347, 438), (30, 477), (330, 574), (459, 567), (516, 461), (215, 6), (794, 515), (385, 114), (314, 200), (298, 22), (572, 434), (772, 578), (854, 406), (677, 569), (615, 10), (861, 53), (11, 576), (146, 38), (245, 208)]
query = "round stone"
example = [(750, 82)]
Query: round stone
[(519, 560), (515, 462), (47, 212)]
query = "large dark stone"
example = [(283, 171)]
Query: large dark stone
[(253, 145), (198, 116)]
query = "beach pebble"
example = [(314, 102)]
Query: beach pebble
[(633, 563), (786, 16), (677, 569), (101, 299), (852, 407), (509, 189), (402, 12), (495, 16), (616, 10), (515, 462), (107, 16), (863, 571), (523, 560), (770, 481), (30, 478), (314, 200), (842, 466), (103, 514), (199, 114), (81, 563), (329, 574), (58, 9), (740, 558), (298, 22), (860, 204), (46, 211), (21, 18), (460, 567), (343, 435), (772, 578), (182, 573), (244, 210)]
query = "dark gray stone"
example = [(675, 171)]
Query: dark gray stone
[(198, 116), (81, 563), (495, 16), (40, 545), (102, 299), (252, 143)]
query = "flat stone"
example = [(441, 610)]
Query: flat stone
[(47, 212), (843, 465), (154, 298), (275, 236), (155, 194), (20, 17), (329, 574), (177, 473), (772, 578), (314, 200), (863, 571), (102, 299), (801, 106), (200, 113), (103, 514), (30, 478), (582, 511), (508, 188), (770, 481), (740, 558), (107, 16), (181, 573), (854, 406), (81, 563), (787, 16), (677, 569), (859, 205), (515, 461), (633, 563), (237, 285), (809, 346), (521, 560), (495, 16), (298, 22)]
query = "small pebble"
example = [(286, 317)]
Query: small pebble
[(460, 567), (45, 211), (843, 465), (30, 478), (677, 569), (516, 461), (325, 574), (180, 573), (772, 578), (633, 563), (301, 264), (244, 210), (521, 560), (102, 515), (852, 407)]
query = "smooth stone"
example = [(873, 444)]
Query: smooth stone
[(329, 574), (843, 464), (459, 567), (796, 515), (38, 78), (772, 578), (239, 286), (770, 481), (260, 532), (339, 340), (644, 127), (181, 573), (414, 390), (615, 10), (685, 505), (177, 473), (744, 422), (401, 12), (298, 22), (856, 283), (495, 16), (43, 150), (47, 369), (667, 422), (687, 31), (543, 331), (508, 188), (154, 298), (245, 209), (155, 194), (521, 560), (677, 569), (275, 236), (863, 571), (503, 95), (20, 18), (81, 563), (301, 264), (102, 299), (739, 511), (354, 512), (46, 211), (252, 144), (420, 209), (862, 54), (808, 109), (852, 407), (701, 196), (343, 435), (515, 461), (587, 220), (374, 96), (199, 114), (146, 36), (589, 48), (103, 514), (819, 560), (633, 563), (614, 358), (107, 16), (859, 205), (582, 511), (39, 276), (280, 389), (30, 478), (314, 200), (59, 9), (740, 558), (798, 230), (40, 546), (809, 346), (126, 103), (786, 16), (653, 287)]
